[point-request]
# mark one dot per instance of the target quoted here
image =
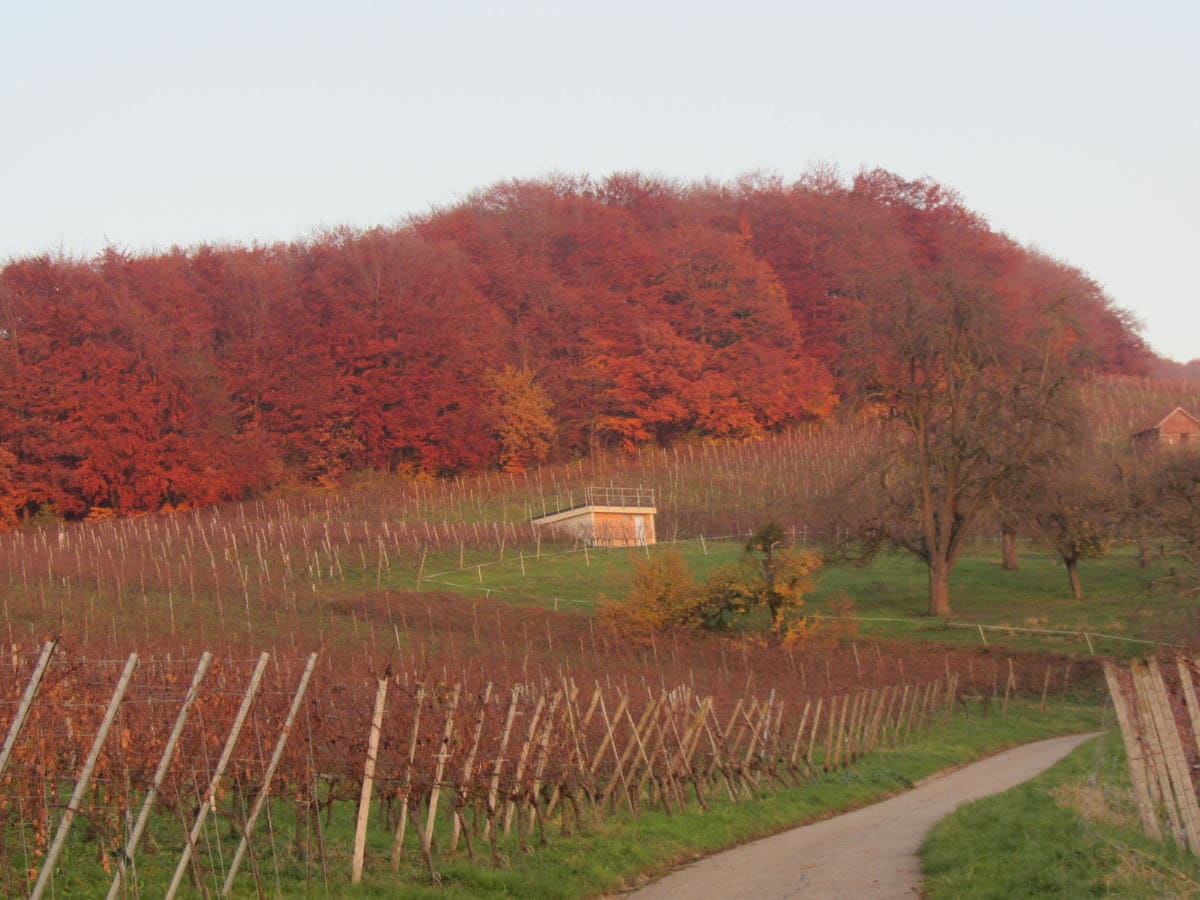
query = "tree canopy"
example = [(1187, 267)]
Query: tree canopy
[(533, 320)]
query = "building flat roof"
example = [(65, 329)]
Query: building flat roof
[(573, 511)]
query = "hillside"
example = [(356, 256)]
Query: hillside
[(305, 554), (400, 585), (1170, 370), (534, 321)]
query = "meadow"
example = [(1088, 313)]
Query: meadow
[(1128, 608)]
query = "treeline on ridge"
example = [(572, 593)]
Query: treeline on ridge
[(534, 320)]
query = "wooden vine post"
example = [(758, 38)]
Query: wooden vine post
[(398, 839), (492, 828), (540, 765), (164, 763), (368, 784), (81, 785), (31, 689), (611, 741), (510, 808), (265, 791), (443, 754), (208, 801), (460, 795)]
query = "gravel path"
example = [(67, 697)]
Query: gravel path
[(870, 852)]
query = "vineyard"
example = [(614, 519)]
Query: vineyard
[(271, 696), (479, 729), (255, 566), (272, 568), (1118, 407)]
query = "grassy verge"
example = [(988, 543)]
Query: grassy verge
[(623, 852), (1072, 832)]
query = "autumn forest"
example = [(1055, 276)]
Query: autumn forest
[(533, 321)]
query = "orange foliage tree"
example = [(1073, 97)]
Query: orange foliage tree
[(521, 416), (664, 594)]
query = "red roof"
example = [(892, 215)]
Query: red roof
[(1157, 425)]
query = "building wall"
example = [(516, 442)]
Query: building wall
[(604, 526), (577, 524), (623, 529), (1179, 429)]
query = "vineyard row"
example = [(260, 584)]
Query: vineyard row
[(284, 751)]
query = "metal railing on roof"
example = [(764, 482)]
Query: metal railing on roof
[(618, 496)]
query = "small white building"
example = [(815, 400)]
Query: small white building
[(608, 517)]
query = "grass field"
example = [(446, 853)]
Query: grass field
[(1124, 606)]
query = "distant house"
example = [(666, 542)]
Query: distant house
[(1177, 428), (607, 517)]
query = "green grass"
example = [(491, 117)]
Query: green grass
[(1122, 600), (572, 577), (1072, 832), (1124, 603)]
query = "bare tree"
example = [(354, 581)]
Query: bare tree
[(1174, 512), (1075, 507), (968, 348)]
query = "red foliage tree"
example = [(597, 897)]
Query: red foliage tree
[(406, 343), (113, 404), (644, 310)]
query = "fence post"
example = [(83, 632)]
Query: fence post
[(1177, 767), (1189, 694), (1133, 753), (1154, 751)]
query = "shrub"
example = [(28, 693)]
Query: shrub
[(664, 594)]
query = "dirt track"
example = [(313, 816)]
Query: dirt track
[(871, 852)]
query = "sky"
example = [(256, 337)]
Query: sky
[(1072, 127)]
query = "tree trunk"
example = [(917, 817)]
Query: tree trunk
[(939, 588), (1008, 549), (1073, 574)]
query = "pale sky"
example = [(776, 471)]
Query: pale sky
[(1074, 127)]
